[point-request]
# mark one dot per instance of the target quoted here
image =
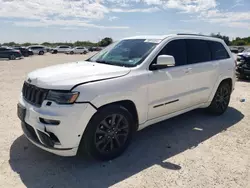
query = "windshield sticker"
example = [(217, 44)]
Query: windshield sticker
[(153, 40)]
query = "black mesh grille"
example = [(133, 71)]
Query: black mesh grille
[(33, 94)]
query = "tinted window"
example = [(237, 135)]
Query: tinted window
[(4, 49), (36, 47), (177, 49), (64, 47), (198, 51), (218, 51)]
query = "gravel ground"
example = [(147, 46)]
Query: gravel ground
[(192, 150)]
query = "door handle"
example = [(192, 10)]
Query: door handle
[(188, 70)]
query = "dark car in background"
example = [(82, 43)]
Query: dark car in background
[(243, 67), (10, 53), (241, 49), (24, 51), (92, 49)]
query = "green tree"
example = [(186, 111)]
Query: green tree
[(10, 44), (225, 38), (105, 42), (26, 44), (46, 44)]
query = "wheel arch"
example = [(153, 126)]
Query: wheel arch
[(228, 80), (129, 105)]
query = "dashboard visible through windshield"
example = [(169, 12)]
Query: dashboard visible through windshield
[(128, 53)]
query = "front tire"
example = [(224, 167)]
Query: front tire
[(108, 133), (221, 99)]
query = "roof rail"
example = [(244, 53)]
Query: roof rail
[(193, 34)]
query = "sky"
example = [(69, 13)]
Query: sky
[(72, 20)]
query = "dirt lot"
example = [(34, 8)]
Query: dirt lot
[(192, 150)]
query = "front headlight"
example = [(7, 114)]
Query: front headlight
[(61, 97)]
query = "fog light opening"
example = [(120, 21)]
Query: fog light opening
[(54, 138), (49, 121)]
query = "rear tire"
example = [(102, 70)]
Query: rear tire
[(41, 53), (108, 133), (71, 52), (221, 99), (12, 57)]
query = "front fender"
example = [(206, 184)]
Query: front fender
[(118, 89)]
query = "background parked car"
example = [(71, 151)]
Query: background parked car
[(241, 49), (61, 49), (24, 51), (243, 67), (40, 50), (92, 49), (242, 54), (77, 50), (10, 53), (47, 49), (234, 50)]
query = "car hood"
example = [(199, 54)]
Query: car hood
[(65, 76)]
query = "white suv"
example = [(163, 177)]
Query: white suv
[(60, 49), (96, 105), (77, 50), (40, 50)]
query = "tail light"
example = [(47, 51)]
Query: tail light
[(18, 51)]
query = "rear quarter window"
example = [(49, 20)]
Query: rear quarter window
[(218, 51)]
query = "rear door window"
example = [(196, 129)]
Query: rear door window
[(218, 51), (198, 51)]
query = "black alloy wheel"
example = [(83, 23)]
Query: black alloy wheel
[(108, 133), (221, 99), (111, 133)]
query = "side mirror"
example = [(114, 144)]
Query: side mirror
[(163, 61), (166, 60)]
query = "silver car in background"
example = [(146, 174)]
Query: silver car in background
[(77, 50), (37, 49)]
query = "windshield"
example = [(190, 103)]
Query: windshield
[(128, 53)]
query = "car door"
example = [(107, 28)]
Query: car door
[(168, 90), (78, 50), (1, 52), (60, 49), (4, 53), (204, 71), (34, 50), (64, 49)]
